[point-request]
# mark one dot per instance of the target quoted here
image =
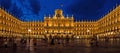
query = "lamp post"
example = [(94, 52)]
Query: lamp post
[(29, 30), (88, 31)]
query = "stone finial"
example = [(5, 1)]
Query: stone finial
[(44, 15), (49, 16), (67, 15), (72, 16)]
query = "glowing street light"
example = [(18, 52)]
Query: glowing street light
[(77, 37), (29, 41), (29, 30), (88, 30), (112, 32)]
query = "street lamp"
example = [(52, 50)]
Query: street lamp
[(29, 30), (88, 32), (77, 37)]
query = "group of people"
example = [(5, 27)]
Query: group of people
[(52, 40), (11, 42), (94, 42), (7, 42)]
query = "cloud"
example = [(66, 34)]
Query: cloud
[(85, 9), (17, 12), (35, 5), (81, 9), (5, 4), (12, 8)]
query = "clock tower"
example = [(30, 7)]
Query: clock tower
[(59, 13)]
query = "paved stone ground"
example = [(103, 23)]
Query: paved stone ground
[(76, 46), (60, 50)]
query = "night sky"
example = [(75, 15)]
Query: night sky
[(34, 10)]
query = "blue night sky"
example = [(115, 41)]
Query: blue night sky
[(34, 10)]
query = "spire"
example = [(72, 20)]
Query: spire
[(72, 16), (108, 11), (59, 13), (79, 20), (114, 7), (67, 15), (49, 16), (82, 20), (90, 20), (3, 9), (44, 16), (87, 20)]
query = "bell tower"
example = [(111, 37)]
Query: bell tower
[(59, 13)]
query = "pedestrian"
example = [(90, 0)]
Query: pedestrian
[(5, 44), (92, 42), (35, 42), (52, 41), (96, 43), (14, 45), (67, 40), (14, 48), (59, 40)]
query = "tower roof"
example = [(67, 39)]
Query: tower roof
[(58, 11)]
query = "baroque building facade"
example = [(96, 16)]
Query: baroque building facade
[(59, 25)]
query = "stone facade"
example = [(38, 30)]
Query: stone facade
[(59, 25)]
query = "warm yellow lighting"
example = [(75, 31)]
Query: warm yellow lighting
[(58, 24), (88, 30), (112, 32), (29, 30), (77, 36)]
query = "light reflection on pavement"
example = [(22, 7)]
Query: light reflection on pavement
[(76, 46)]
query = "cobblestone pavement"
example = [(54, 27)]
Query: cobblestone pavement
[(76, 46)]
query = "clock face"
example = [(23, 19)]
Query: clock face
[(58, 15)]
